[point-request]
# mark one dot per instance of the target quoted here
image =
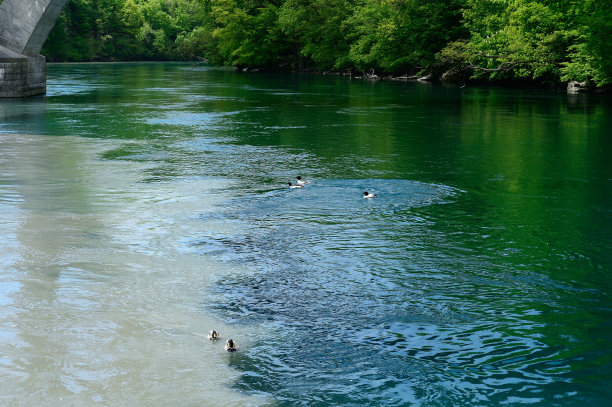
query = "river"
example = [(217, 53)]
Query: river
[(143, 204)]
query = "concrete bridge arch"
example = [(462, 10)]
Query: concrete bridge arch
[(24, 27)]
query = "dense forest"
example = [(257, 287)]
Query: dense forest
[(545, 41)]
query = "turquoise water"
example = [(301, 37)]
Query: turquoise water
[(480, 275)]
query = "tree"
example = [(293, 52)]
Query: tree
[(70, 39), (315, 28), (541, 40), (247, 33), (400, 35), (538, 40), (590, 55)]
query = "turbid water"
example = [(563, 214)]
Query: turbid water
[(143, 204)]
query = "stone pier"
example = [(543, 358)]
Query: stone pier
[(24, 27)]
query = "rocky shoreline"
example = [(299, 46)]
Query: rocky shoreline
[(572, 87)]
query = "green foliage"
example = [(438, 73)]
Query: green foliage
[(130, 29), (247, 33), (534, 39), (69, 40), (590, 55), (542, 40), (316, 30), (395, 35)]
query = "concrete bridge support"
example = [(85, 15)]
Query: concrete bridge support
[(24, 27)]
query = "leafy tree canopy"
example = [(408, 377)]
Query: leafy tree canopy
[(542, 40)]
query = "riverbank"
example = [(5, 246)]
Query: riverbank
[(571, 87)]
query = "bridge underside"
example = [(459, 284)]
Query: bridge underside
[(24, 27), (21, 75)]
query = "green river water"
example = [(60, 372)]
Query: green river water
[(143, 204)]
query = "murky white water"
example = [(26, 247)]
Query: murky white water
[(98, 307)]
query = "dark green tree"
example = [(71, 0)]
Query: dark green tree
[(247, 34), (536, 40), (402, 35), (316, 31)]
